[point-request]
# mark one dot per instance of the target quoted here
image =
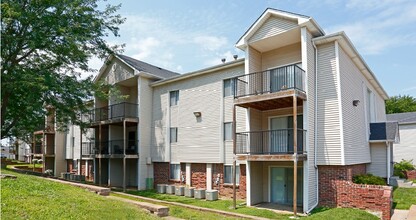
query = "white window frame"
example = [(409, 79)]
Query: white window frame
[(174, 98), (225, 131), (173, 136), (237, 180), (231, 87), (175, 167)]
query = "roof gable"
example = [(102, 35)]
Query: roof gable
[(273, 26)]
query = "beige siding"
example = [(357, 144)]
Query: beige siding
[(196, 136), (117, 71), (378, 165), (60, 162), (257, 183), (406, 149), (255, 120), (145, 116), (282, 56), (254, 60), (329, 137), (273, 26), (380, 108), (309, 67), (356, 145)]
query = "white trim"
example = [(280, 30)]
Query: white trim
[(209, 176), (248, 183), (222, 145), (388, 162), (188, 175), (109, 172), (168, 145), (341, 123), (138, 174)]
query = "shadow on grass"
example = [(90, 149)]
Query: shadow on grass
[(320, 209)]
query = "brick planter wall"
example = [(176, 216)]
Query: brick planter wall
[(410, 174), (226, 190), (336, 189), (160, 173)]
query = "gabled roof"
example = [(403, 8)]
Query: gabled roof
[(403, 118), (139, 66), (148, 68), (352, 52), (302, 20)]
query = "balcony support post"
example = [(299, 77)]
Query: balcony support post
[(80, 152), (99, 158), (124, 155), (234, 162), (295, 156)]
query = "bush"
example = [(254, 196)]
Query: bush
[(369, 179), (402, 166)]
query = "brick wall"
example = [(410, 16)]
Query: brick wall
[(336, 189), (198, 175), (160, 173), (410, 174), (226, 190)]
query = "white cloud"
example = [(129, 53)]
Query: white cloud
[(217, 60), (384, 24), (211, 43), (144, 48)]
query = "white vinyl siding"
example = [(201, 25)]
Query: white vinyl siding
[(328, 119), (117, 71), (228, 174), (354, 87), (378, 165), (273, 26), (196, 136), (282, 56), (254, 60), (406, 149)]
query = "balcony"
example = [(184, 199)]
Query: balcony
[(37, 149), (267, 89), (110, 148), (272, 144), (114, 112)]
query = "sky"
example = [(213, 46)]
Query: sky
[(185, 36)]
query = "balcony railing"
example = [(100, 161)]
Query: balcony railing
[(120, 110), (269, 142), (269, 81), (37, 149), (113, 147)]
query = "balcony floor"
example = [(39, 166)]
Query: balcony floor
[(116, 121), (268, 101)]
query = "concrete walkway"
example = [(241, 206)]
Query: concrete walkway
[(232, 214), (404, 214)]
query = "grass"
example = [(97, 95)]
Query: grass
[(340, 213), (403, 198), (38, 165), (30, 197)]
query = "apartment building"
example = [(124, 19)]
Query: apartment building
[(294, 114)]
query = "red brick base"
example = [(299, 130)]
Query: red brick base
[(90, 176), (336, 189), (410, 174), (160, 173)]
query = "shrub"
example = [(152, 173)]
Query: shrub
[(402, 166), (369, 179)]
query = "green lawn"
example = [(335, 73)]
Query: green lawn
[(404, 197), (319, 213), (30, 197), (340, 213), (38, 165)]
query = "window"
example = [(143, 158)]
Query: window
[(174, 97), (228, 174), (175, 171), (228, 87), (173, 135), (228, 127)]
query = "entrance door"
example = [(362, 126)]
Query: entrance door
[(278, 135), (278, 185)]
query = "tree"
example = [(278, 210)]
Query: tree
[(45, 46), (400, 104)]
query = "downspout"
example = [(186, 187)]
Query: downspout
[(388, 161), (315, 128)]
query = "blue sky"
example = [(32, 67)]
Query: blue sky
[(185, 36)]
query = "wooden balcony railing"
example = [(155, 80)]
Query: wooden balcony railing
[(269, 142), (269, 81)]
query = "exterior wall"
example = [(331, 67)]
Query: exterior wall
[(266, 115), (282, 56), (406, 149), (254, 60), (337, 190), (378, 165), (328, 118), (273, 26), (328, 175), (161, 173), (257, 186), (117, 71), (144, 130), (60, 162), (130, 93), (354, 87), (226, 190), (196, 136), (198, 175)]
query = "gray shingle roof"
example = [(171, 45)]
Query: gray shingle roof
[(148, 68), (403, 118)]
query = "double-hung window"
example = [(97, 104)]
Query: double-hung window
[(173, 135), (228, 131), (228, 174), (175, 171), (228, 87), (174, 97)]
